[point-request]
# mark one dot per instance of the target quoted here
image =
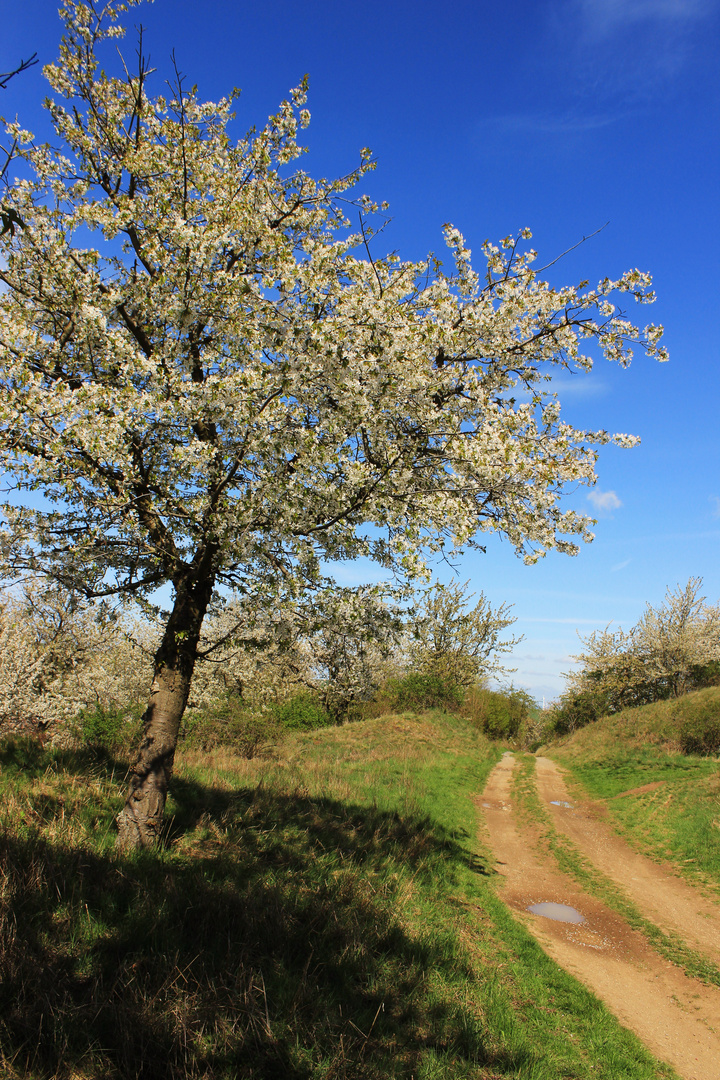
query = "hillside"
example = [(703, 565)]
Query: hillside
[(326, 913), (664, 801)]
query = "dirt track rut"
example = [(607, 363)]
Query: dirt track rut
[(663, 897), (678, 1018)]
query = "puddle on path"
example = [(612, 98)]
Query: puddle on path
[(557, 802), (559, 912)]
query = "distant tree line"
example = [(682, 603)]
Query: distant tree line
[(73, 671)]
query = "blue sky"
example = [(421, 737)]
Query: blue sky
[(561, 115)]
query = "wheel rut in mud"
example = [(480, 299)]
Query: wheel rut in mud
[(677, 1017)]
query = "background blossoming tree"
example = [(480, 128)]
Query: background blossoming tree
[(672, 649), (456, 643), (216, 382)]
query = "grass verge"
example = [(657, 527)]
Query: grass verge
[(327, 914)]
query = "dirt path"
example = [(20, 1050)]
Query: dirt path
[(664, 898), (676, 1017)]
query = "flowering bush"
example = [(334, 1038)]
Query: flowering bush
[(456, 642)]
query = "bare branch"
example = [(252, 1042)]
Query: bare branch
[(6, 76)]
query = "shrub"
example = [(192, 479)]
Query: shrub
[(302, 712), (498, 713), (536, 729), (704, 675), (229, 723), (107, 727), (700, 735), (577, 709), (699, 717), (418, 690)]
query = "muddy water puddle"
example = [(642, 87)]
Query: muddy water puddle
[(559, 912)]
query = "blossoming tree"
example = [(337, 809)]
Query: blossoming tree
[(458, 643), (671, 649), (216, 382)]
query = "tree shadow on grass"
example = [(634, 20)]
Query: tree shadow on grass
[(266, 944), (31, 759), (284, 829)]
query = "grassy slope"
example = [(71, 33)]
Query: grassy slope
[(328, 914), (679, 819)]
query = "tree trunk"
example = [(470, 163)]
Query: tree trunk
[(141, 819)]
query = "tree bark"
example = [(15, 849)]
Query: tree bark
[(141, 819)]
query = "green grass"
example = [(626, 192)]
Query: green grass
[(678, 821), (626, 769), (325, 914)]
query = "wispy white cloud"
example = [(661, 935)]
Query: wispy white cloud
[(715, 499), (666, 538), (620, 566), (579, 386), (530, 123), (576, 385), (351, 574), (627, 49), (606, 501), (578, 597), (623, 52), (605, 17)]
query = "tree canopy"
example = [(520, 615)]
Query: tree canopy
[(215, 379)]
